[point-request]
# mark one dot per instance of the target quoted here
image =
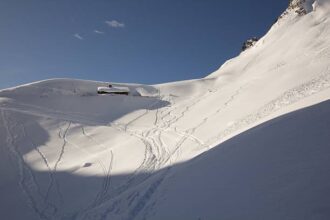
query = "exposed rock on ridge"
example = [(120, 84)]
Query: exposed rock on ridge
[(299, 7), (249, 43)]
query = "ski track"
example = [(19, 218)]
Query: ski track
[(293, 95), (147, 110), (62, 136), (289, 97), (156, 154), (149, 163), (59, 159), (48, 204), (102, 194), (27, 180)]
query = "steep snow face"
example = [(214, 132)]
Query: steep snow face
[(291, 58), (68, 153), (278, 170)]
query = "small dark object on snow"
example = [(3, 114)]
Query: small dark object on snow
[(88, 164)]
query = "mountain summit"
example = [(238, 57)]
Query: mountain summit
[(301, 7)]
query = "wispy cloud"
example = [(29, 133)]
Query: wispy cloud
[(115, 24), (98, 32), (78, 36)]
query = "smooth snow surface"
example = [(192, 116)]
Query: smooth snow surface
[(250, 141)]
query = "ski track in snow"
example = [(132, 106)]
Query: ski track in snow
[(58, 161), (154, 158), (157, 154), (103, 193), (48, 204), (189, 133), (27, 181), (289, 97), (62, 136), (165, 119), (166, 139)]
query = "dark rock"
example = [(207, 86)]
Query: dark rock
[(87, 164), (298, 6), (249, 43)]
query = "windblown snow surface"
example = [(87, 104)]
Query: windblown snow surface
[(249, 141)]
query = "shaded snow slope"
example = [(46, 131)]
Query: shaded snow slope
[(277, 170), (68, 153)]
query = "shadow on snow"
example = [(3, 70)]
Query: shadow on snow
[(277, 170)]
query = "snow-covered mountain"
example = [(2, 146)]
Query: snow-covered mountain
[(249, 141)]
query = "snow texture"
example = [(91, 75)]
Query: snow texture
[(249, 141)]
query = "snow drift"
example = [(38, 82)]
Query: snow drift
[(249, 141)]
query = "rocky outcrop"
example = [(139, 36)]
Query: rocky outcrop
[(299, 7), (249, 43)]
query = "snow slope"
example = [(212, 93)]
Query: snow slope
[(249, 141)]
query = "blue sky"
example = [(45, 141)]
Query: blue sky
[(142, 41)]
